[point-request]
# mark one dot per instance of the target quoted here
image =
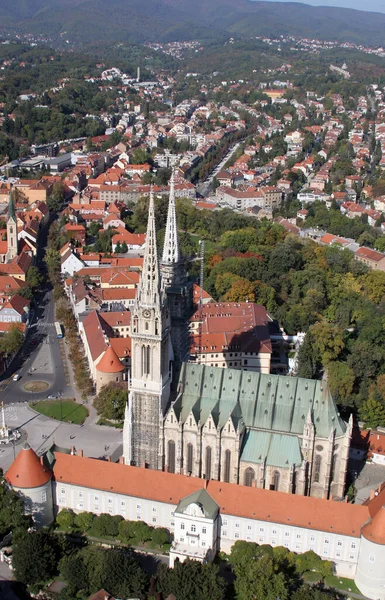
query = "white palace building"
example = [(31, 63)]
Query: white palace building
[(206, 516)]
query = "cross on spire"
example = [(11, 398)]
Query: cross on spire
[(149, 288), (171, 253)]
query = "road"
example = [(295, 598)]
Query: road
[(204, 187), (42, 432), (42, 358)]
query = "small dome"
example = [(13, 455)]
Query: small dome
[(110, 363), (374, 531), (26, 471)]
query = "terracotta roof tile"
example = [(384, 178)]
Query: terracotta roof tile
[(26, 471), (110, 363)]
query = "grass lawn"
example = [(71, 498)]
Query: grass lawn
[(103, 421), (62, 410), (312, 576), (342, 583), (209, 245)]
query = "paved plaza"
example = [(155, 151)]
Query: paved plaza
[(42, 432)]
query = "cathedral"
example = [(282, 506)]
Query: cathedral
[(232, 425)]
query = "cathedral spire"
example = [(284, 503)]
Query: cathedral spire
[(11, 207), (171, 254), (149, 286)]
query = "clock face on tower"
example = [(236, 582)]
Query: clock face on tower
[(147, 314)]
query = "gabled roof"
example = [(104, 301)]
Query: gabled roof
[(208, 505), (27, 471)]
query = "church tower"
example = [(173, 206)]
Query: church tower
[(151, 359), (11, 230), (175, 284)]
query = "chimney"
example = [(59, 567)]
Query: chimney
[(144, 465), (121, 460), (165, 469), (42, 460), (372, 494), (80, 452), (254, 483), (73, 450), (206, 483), (109, 458)]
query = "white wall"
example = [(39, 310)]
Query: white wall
[(342, 550)]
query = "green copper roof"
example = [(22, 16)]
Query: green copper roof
[(268, 402), (279, 450), (204, 501)]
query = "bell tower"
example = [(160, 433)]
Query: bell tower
[(11, 230), (175, 284), (151, 359)]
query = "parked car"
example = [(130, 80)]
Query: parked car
[(52, 397), (16, 377)]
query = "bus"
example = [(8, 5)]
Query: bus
[(59, 331)]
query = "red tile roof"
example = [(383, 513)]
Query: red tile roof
[(369, 254), (375, 530), (110, 363), (26, 471), (237, 500)]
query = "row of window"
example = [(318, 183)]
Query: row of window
[(193, 528)]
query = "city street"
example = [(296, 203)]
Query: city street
[(42, 358)]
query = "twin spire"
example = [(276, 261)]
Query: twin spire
[(171, 252), (149, 285)]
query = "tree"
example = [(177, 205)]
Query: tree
[(191, 580), (328, 340), (12, 517), (75, 572), (65, 518), (341, 380), (106, 525), (12, 340), (160, 536), (372, 412), (57, 197), (124, 248), (111, 402), (243, 552), (241, 290), (35, 557), (34, 278), (259, 579), (84, 521)]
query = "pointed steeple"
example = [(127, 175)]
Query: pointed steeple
[(149, 286), (11, 207), (171, 254)]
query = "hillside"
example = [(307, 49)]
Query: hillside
[(84, 21)]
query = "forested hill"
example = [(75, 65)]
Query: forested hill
[(86, 21)]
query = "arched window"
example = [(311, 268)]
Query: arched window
[(146, 360), (317, 468), (135, 324), (189, 458), (208, 463), (275, 481), (227, 466), (249, 476), (171, 456)]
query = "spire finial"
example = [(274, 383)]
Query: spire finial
[(171, 253), (148, 290)]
